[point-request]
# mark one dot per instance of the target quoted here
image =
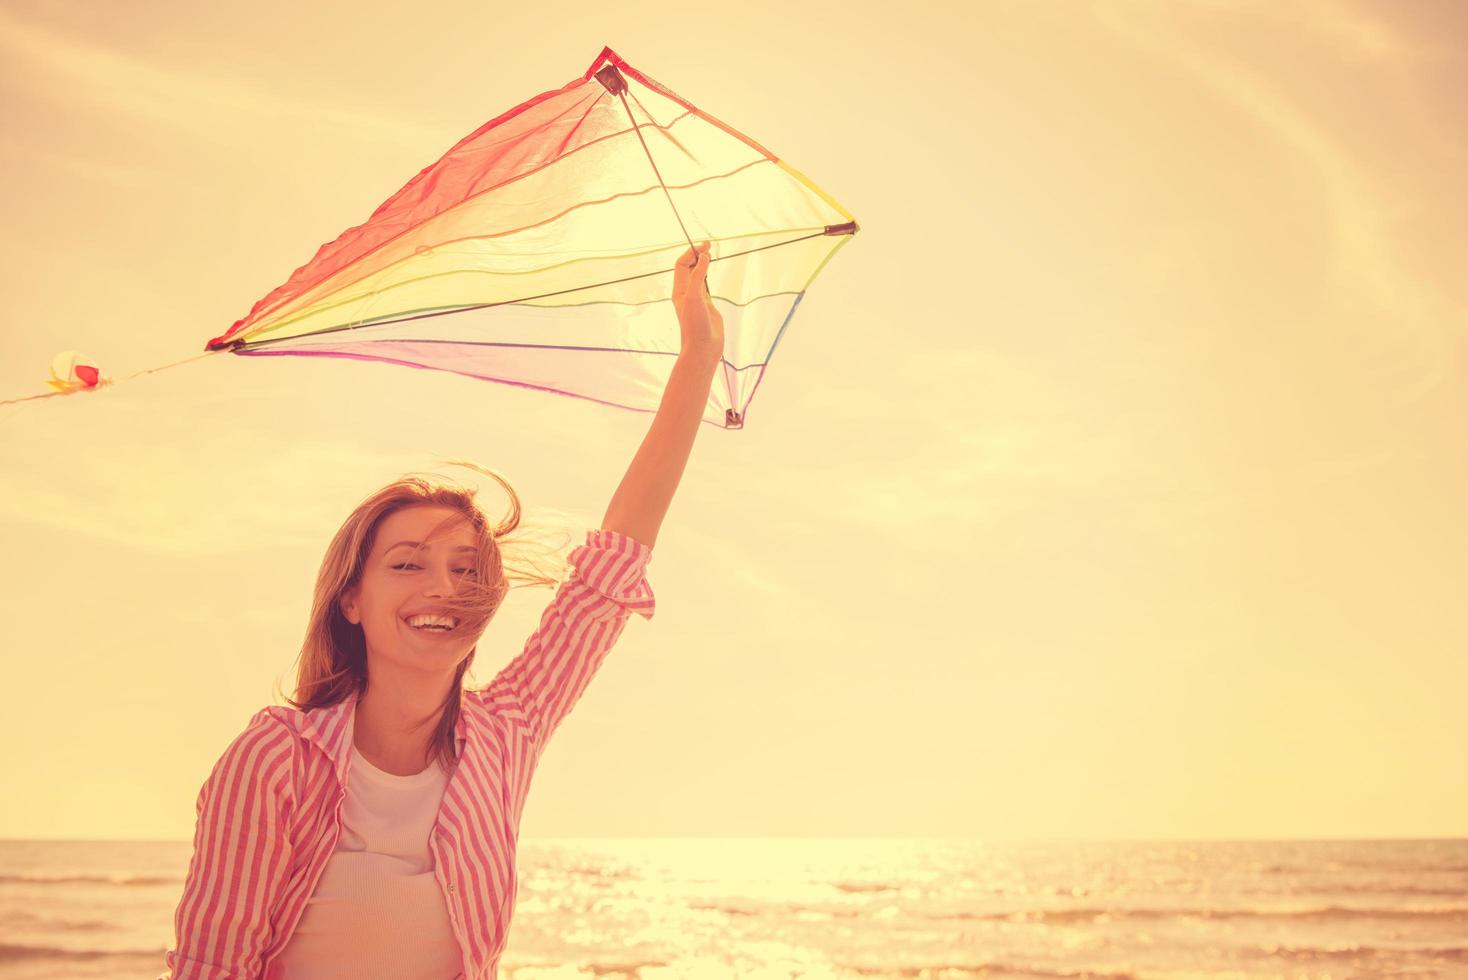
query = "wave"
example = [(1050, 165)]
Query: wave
[(12, 953), (1380, 867), (595, 872), (41, 878), (1412, 868), (1324, 913), (1455, 953), (1367, 889), (984, 970), (718, 907), (15, 920), (631, 968), (864, 886)]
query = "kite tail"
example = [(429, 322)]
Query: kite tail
[(104, 382)]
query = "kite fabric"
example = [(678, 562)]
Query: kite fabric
[(539, 250)]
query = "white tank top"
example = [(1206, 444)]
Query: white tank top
[(377, 911)]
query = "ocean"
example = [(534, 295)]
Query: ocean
[(920, 909)]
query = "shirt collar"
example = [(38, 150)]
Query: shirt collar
[(330, 729)]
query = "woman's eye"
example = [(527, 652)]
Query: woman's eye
[(461, 571)]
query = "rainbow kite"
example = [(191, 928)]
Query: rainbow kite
[(539, 250)]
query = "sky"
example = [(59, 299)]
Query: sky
[(1109, 484)]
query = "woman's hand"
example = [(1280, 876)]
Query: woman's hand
[(702, 325)]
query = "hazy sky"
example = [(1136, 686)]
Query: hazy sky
[(1110, 483)]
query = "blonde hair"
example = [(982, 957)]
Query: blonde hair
[(333, 661)]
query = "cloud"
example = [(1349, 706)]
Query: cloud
[(118, 471), (204, 105), (97, 171), (1358, 35), (1368, 262)]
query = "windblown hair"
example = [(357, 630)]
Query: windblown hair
[(333, 660)]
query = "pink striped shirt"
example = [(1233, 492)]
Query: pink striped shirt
[(269, 814)]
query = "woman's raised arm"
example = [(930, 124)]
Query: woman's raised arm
[(641, 501)]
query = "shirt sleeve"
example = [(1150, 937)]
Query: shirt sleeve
[(241, 859), (607, 585)]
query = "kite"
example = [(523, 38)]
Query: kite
[(538, 251)]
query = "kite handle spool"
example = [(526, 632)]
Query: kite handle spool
[(612, 79)]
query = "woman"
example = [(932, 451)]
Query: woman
[(370, 830)]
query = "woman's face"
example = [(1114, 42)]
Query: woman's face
[(402, 579)]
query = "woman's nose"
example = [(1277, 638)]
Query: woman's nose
[(444, 582)]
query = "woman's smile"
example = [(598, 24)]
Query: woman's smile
[(428, 630)]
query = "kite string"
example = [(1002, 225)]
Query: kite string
[(104, 382), (638, 130)]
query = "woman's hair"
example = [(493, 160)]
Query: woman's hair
[(333, 660)]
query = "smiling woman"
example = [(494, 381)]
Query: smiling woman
[(369, 829), (377, 815)]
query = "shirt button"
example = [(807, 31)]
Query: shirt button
[(451, 886)]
